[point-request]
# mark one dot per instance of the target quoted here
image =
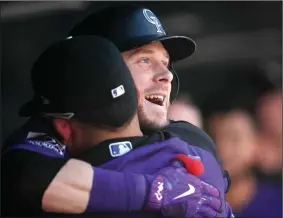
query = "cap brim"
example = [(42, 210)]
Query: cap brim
[(178, 47)]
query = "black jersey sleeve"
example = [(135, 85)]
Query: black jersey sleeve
[(25, 175), (192, 135)]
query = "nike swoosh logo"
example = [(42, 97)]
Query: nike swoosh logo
[(187, 193)]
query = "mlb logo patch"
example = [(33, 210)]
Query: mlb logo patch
[(120, 148), (118, 91)]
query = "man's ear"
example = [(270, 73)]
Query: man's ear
[(63, 128)]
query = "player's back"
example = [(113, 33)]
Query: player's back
[(149, 155)]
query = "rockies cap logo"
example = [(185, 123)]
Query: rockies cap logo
[(151, 18)]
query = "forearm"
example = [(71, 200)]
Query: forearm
[(78, 187), (69, 190)]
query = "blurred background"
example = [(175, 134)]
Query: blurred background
[(231, 86)]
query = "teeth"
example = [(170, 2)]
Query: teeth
[(158, 97)]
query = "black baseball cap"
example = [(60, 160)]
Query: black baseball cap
[(77, 76), (132, 26)]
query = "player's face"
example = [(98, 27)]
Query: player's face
[(149, 68)]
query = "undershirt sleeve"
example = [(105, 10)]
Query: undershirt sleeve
[(25, 175)]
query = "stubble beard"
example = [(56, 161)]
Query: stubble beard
[(149, 126)]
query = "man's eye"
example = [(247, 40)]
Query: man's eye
[(144, 60)]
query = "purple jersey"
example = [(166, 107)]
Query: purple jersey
[(151, 158), (136, 154)]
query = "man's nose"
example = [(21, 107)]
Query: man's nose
[(165, 75)]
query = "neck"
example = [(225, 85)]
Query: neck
[(120, 133), (98, 135)]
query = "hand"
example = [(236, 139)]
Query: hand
[(227, 212), (176, 193)]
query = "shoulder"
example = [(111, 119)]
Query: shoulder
[(44, 145), (192, 135), (32, 150), (34, 137)]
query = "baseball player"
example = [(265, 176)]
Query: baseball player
[(40, 174), (149, 54)]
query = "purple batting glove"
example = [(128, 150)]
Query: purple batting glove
[(227, 212), (179, 194)]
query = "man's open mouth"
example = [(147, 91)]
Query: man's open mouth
[(156, 99)]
